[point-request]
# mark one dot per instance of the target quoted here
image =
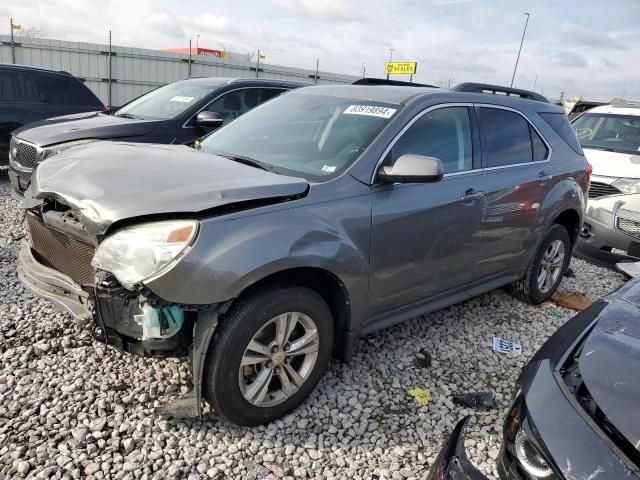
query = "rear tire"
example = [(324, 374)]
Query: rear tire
[(546, 269), (296, 327)]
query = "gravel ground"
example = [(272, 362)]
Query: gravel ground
[(70, 409)]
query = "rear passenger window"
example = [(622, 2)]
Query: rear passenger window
[(505, 136), (18, 87), (540, 150), (444, 133), (79, 94)]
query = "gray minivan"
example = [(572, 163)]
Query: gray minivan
[(322, 215)]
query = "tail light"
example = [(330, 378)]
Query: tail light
[(106, 109), (589, 171)]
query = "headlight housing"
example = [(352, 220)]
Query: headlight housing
[(137, 253), (61, 147), (521, 441), (627, 185)]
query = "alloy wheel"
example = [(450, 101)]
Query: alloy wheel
[(279, 359), (551, 266)]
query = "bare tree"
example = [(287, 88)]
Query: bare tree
[(33, 31)]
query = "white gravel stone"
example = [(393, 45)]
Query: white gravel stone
[(70, 409)]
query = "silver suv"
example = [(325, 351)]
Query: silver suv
[(320, 216)]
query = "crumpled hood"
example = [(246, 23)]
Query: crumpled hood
[(613, 164), (610, 361), (106, 182), (83, 125)]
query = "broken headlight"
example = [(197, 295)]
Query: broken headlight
[(136, 253)]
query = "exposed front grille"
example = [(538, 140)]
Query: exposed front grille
[(26, 154), (61, 251), (598, 189), (630, 227)]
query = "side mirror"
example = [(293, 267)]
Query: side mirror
[(411, 168), (208, 119)]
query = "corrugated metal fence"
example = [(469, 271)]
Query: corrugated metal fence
[(135, 71)]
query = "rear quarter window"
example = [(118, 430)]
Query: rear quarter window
[(560, 124)]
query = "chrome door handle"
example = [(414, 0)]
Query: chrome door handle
[(544, 177), (471, 196)]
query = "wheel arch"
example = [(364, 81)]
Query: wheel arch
[(570, 219), (329, 287)]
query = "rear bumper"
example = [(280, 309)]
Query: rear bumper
[(52, 285)]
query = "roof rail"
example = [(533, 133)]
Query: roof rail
[(498, 90), (383, 81)]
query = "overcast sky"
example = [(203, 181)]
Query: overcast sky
[(581, 47)]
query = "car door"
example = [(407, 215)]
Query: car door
[(516, 181), (423, 235)]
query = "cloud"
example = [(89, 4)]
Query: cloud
[(588, 37), (209, 22), (605, 62), (319, 9), (569, 59), (166, 24)]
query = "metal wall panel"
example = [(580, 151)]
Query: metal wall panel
[(135, 71)]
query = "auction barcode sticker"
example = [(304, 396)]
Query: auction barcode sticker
[(370, 110), (181, 99)]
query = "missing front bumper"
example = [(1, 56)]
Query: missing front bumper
[(52, 285)]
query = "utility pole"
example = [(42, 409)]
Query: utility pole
[(520, 49), (109, 70), (189, 58), (534, 83), (363, 70), (317, 67), (13, 47), (258, 64), (390, 58), (198, 44)]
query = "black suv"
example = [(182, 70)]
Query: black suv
[(29, 94), (177, 113)]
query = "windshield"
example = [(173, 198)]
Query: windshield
[(312, 136), (611, 132), (165, 102)]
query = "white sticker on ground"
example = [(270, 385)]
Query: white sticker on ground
[(507, 346), (370, 110), (181, 99)]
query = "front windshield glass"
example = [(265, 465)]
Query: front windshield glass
[(165, 102), (605, 131), (312, 136)]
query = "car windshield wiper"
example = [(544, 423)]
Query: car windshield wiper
[(249, 161), (127, 115)]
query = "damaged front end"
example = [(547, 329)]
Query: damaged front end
[(98, 280)]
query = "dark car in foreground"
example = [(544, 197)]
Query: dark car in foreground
[(177, 113), (322, 215), (575, 411), (29, 94)]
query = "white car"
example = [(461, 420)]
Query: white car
[(610, 138)]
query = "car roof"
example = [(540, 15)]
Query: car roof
[(630, 108), (379, 93), (402, 95), (220, 81), (31, 68)]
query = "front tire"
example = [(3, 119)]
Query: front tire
[(546, 269), (270, 351)]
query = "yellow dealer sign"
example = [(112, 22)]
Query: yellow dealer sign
[(402, 68)]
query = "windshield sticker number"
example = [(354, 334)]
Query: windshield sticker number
[(328, 168), (181, 99), (370, 110)]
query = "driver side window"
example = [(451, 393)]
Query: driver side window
[(444, 133)]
